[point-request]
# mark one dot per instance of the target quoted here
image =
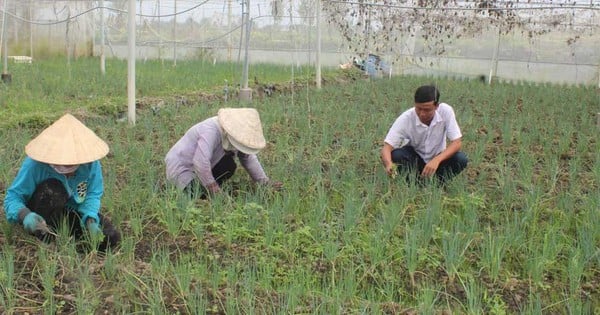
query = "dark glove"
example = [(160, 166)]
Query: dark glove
[(33, 222)]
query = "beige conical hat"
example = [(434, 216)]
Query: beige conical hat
[(67, 142), (244, 128)]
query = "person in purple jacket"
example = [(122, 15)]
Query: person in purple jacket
[(204, 157), (60, 180)]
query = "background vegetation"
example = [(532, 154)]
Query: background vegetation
[(517, 232)]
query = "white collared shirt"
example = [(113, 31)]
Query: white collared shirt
[(428, 141)]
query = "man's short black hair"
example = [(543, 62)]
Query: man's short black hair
[(427, 93)]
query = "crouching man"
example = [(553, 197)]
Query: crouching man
[(416, 142)]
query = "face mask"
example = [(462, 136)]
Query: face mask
[(64, 169), (227, 146)]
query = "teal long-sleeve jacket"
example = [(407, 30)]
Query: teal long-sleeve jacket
[(85, 188)]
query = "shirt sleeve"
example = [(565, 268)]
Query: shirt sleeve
[(202, 158), (453, 130), (90, 207), (252, 165), (397, 135), (20, 190)]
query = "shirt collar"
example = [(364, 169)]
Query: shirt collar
[(437, 118)]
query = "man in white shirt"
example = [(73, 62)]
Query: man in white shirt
[(416, 142)]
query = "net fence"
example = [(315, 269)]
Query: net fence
[(546, 41)]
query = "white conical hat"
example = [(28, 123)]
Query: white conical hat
[(67, 142), (243, 128)]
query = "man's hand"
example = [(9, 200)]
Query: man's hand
[(390, 169), (386, 159), (431, 167)]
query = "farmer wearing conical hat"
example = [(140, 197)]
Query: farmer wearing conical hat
[(204, 156), (61, 178)]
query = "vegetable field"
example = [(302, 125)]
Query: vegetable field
[(516, 233)]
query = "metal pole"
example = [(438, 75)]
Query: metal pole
[(175, 33), (239, 57), (5, 55), (68, 39), (159, 35), (15, 28), (318, 57), (131, 64), (3, 40), (247, 43), (494, 68), (245, 92), (6, 77), (30, 30), (102, 39), (229, 28), (141, 18)]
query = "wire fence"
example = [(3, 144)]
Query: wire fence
[(287, 33)]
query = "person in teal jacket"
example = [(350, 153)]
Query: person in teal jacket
[(60, 180)]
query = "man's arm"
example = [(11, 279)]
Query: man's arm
[(386, 158), (432, 166)]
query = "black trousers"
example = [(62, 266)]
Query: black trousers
[(49, 201), (222, 171), (410, 162)]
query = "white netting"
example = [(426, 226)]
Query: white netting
[(549, 41)]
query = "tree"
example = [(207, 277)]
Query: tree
[(292, 8), (277, 10), (389, 26)]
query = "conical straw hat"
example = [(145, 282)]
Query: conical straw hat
[(244, 128), (66, 142)]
